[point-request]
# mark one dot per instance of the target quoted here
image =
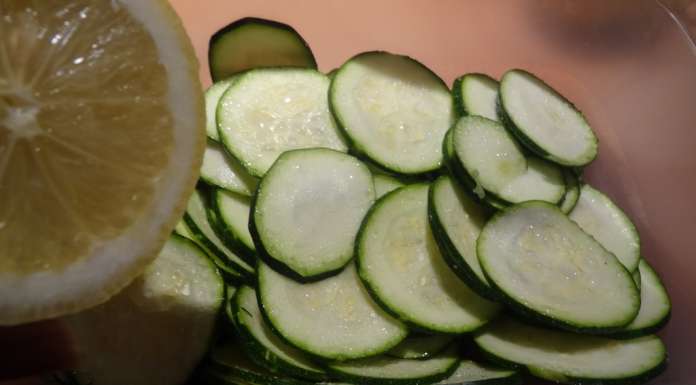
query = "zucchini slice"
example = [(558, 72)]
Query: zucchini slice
[(598, 216), (232, 213), (157, 329), (334, 318), (476, 94), (572, 358), (394, 111), (196, 218), (655, 305), (212, 98), (572, 193), (307, 212), (547, 268), (385, 370), (456, 222), (385, 184), (263, 346), (252, 43), (269, 111), (492, 159), (545, 121), (421, 346), (222, 170), (473, 373), (400, 265)]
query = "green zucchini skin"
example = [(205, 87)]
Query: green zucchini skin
[(216, 74), (226, 235), (457, 95)]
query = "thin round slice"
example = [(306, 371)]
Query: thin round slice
[(221, 170), (155, 331), (572, 193), (385, 370), (334, 318), (263, 346), (492, 159), (399, 262), (252, 43), (456, 222), (476, 94), (655, 305), (394, 110), (197, 220), (102, 131), (308, 209), (473, 373), (545, 121), (212, 98), (232, 213), (385, 184), (573, 358), (547, 268), (269, 111), (228, 365), (598, 216), (421, 346)]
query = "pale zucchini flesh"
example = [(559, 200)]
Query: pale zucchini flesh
[(212, 97), (493, 159), (401, 266), (232, 211), (572, 193), (393, 110), (222, 170), (547, 268), (598, 216), (545, 121), (456, 221), (476, 94), (572, 358), (269, 111), (385, 184), (263, 346), (308, 210), (334, 318), (421, 346), (473, 373)]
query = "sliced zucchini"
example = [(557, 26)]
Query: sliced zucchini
[(221, 170), (598, 216), (394, 111), (493, 160), (385, 370), (269, 111), (229, 274), (229, 306), (334, 318), (307, 212), (545, 121), (156, 330), (637, 278), (572, 193), (462, 178), (573, 358), (421, 346), (456, 222), (252, 43), (229, 365), (400, 265), (655, 305), (196, 218), (545, 267), (476, 94), (212, 98), (473, 373), (385, 184), (263, 346), (232, 213)]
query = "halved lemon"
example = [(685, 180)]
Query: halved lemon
[(101, 139)]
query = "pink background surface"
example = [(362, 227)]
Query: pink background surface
[(626, 64)]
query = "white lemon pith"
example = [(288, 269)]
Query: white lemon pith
[(101, 135)]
